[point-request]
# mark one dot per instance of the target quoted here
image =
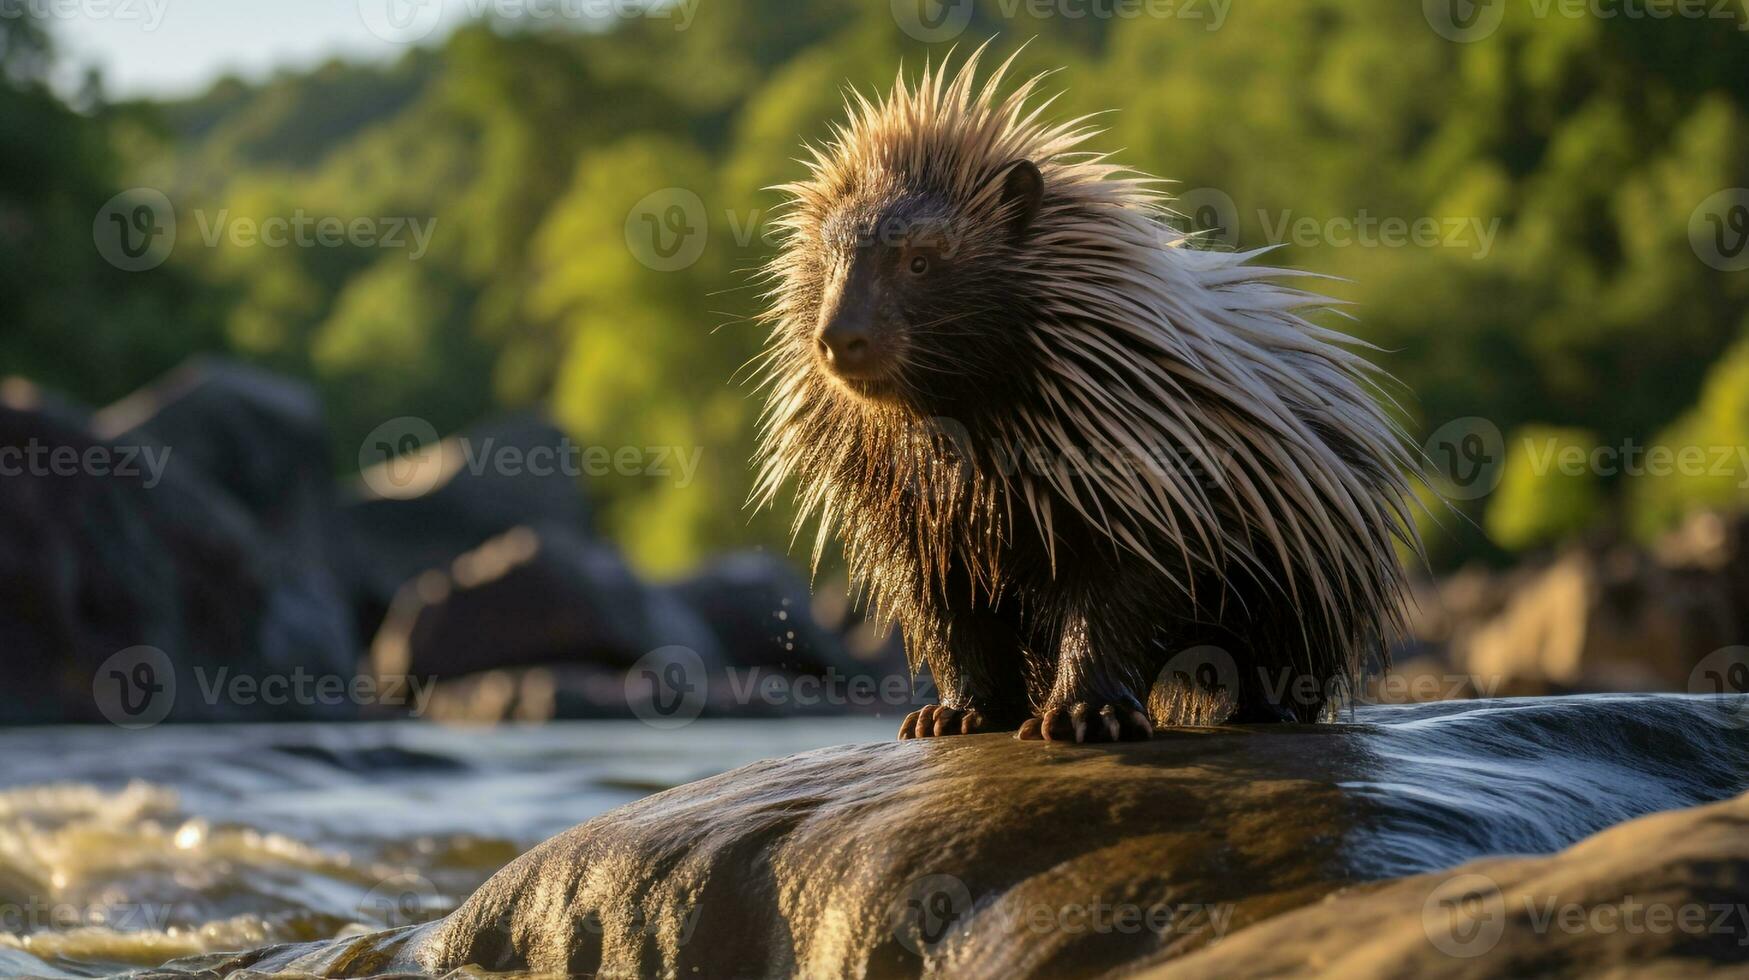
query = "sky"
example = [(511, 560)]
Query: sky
[(177, 47)]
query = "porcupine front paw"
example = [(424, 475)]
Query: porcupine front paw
[(933, 720), (1089, 721)]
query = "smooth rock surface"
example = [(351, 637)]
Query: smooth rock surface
[(985, 856), (1665, 895)]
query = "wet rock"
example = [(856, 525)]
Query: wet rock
[(24, 395), (256, 436), (540, 623), (767, 624), (125, 549), (259, 440), (483, 625), (984, 856), (1604, 619), (528, 596), (761, 614), (421, 511), (1664, 895)]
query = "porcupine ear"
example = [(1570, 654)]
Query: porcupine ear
[(1023, 190)]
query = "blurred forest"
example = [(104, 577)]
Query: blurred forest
[(1588, 143)]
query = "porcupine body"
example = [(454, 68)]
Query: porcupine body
[(1104, 479)]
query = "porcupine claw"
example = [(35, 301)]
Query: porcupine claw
[(1087, 722), (936, 720)]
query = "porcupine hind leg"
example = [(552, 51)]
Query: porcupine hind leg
[(974, 655), (1093, 697)]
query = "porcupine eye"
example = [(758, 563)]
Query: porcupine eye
[(919, 265)]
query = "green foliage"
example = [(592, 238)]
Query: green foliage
[(1571, 151), (1548, 489), (1714, 435)]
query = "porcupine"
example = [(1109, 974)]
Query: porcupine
[(1085, 463)]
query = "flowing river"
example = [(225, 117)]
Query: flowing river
[(123, 850)]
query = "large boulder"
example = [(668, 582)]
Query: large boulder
[(1596, 615), (540, 623), (984, 856), (535, 623), (155, 567), (1610, 618), (421, 510), (257, 436), (260, 441), (1665, 895), (154, 551)]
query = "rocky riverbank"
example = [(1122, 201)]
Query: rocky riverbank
[(193, 535), (1219, 852), (195, 531)]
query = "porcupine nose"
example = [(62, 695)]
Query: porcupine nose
[(848, 348)]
